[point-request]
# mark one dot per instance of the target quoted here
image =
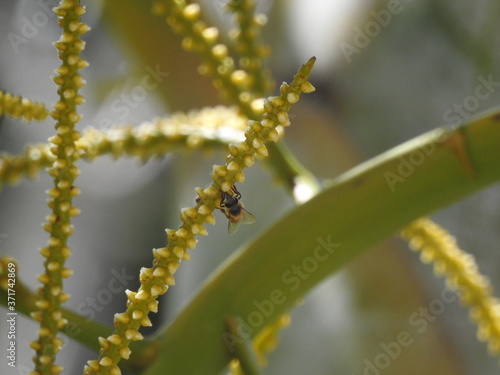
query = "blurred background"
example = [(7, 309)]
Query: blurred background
[(386, 71)]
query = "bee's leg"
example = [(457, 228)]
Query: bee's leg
[(240, 348), (236, 192)]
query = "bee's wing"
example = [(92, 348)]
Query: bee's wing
[(232, 226), (245, 217)]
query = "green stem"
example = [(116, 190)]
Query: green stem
[(290, 171), (240, 347), (361, 208)]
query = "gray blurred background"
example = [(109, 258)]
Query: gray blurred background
[(386, 72)]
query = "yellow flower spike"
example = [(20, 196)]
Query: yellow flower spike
[(249, 45), (62, 169), (197, 37), (22, 108), (210, 127), (155, 280), (461, 273)]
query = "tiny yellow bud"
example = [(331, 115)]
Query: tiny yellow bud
[(191, 243), (42, 304), (43, 278), (219, 51), (273, 135), (130, 295), (55, 369), (35, 345), (142, 295), (210, 34), (172, 267), (191, 12), (204, 210), (283, 119), (106, 361), (240, 77), (125, 352), (225, 186), (130, 333), (292, 98), (53, 193), (53, 265), (276, 101), (159, 272), (162, 252), (233, 166), (195, 228), (122, 318), (153, 306), (69, 93), (267, 123), (66, 272), (306, 87), (94, 365), (157, 290), (258, 105), (209, 219), (44, 359), (262, 151), (146, 322), (65, 252), (115, 339), (257, 142), (56, 315), (211, 191), (137, 314), (55, 290), (169, 280), (63, 297), (44, 332), (239, 177), (80, 10), (178, 251), (248, 160), (181, 232)]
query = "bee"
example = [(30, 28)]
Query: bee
[(232, 208)]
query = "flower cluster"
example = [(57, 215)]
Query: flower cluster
[(64, 172), (461, 272), (22, 108), (251, 53), (12, 168), (208, 127), (156, 280), (236, 85)]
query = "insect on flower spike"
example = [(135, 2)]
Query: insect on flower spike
[(232, 208)]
